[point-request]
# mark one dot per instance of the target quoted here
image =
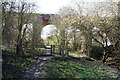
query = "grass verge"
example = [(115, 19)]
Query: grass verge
[(65, 68)]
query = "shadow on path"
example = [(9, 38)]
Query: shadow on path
[(37, 68)]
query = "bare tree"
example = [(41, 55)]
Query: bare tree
[(8, 18), (24, 8), (103, 16)]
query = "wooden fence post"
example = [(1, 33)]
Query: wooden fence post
[(60, 49), (51, 50), (67, 53)]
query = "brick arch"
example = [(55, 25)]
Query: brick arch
[(46, 19)]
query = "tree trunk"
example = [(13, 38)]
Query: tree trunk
[(19, 39), (106, 54), (104, 57), (19, 47), (88, 42)]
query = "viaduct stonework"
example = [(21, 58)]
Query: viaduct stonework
[(47, 19)]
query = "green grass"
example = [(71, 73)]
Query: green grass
[(39, 48), (77, 54), (63, 68), (14, 65)]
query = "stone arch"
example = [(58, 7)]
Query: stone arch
[(47, 21), (48, 32)]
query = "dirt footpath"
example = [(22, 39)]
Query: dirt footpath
[(37, 68)]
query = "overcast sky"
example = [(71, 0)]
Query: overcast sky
[(53, 6)]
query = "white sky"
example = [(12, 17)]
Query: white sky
[(53, 6)]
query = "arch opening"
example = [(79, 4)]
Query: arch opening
[(50, 34)]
